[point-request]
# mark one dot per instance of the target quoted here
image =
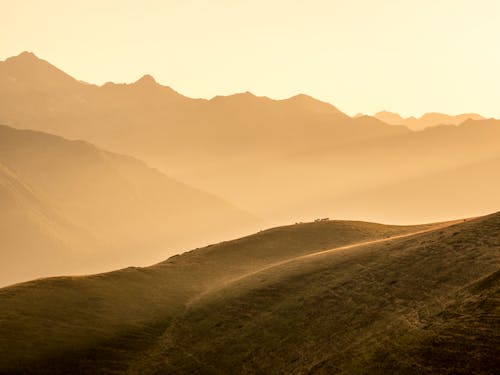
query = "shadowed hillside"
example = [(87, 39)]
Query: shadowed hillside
[(70, 207), (278, 301)]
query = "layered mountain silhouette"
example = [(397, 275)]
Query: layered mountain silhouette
[(470, 189), (70, 207), (322, 297), (426, 120), (283, 160), (95, 178)]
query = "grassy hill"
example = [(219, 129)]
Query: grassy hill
[(320, 297), (425, 304)]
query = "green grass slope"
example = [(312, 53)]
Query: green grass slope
[(104, 322)]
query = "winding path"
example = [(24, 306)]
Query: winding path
[(323, 252)]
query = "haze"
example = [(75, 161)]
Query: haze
[(364, 56), (249, 187)]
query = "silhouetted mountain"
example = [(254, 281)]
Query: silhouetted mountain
[(426, 120), (398, 179), (69, 207), (146, 109), (323, 297), (389, 118), (284, 160), (308, 103), (471, 189), (27, 71)]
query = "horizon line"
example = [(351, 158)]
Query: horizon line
[(403, 115)]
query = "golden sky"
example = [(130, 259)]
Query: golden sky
[(407, 56)]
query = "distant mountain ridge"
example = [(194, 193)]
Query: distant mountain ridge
[(40, 76), (426, 120), (282, 160), (32, 72), (71, 208)]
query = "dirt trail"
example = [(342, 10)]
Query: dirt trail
[(365, 243), (323, 252)]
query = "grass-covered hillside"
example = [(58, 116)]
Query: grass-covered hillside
[(325, 297)]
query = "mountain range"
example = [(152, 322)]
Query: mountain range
[(282, 160), (426, 120)]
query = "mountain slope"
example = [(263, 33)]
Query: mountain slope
[(32, 230), (115, 201), (277, 301), (471, 189), (383, 180)]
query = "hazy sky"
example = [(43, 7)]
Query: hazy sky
[(409, 56)]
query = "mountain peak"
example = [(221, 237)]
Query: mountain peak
[(24, 57), (29, 70), (245, 94), (301, 96), (389, 117), (240, 97), (313, 104), (27, 55), (146, 79)]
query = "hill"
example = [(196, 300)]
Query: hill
[(319, 297), (69, 207)]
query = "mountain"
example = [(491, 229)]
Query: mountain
[(322, 297), (437, 195), (60, 104), (70, 207), (426, 120), (282, 160), (36, 240), (439, 173), (202, 142), (389, 117), (27, 72)]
